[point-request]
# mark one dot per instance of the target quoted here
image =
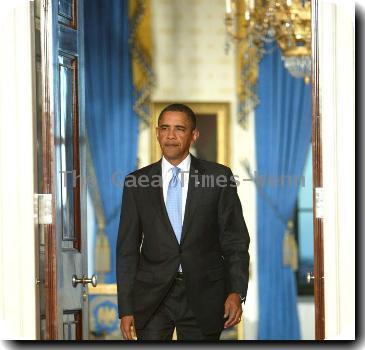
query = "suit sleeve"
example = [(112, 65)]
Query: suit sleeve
[(234, 238), (128, 250)]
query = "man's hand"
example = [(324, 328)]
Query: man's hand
[(232, 310), (127, 327)]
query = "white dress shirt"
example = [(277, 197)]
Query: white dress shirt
[(184, 178)]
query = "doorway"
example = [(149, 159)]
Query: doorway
[(63, 143)]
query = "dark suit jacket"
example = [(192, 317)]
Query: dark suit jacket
[(213, 251)]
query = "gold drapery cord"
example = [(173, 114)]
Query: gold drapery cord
[(141, 48), (102, 244), (290, 248)]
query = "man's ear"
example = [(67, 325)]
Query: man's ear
[(195, 136), (156, 132)]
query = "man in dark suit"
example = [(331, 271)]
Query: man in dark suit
[(182, 250)]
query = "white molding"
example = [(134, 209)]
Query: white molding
[(17, 245), (336, 45)]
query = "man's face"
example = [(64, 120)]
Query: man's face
[(175, 135)]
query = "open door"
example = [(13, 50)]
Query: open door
[(317, 276), (62, 168)]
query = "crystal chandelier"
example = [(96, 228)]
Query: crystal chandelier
[(264, 21), (253, 24)]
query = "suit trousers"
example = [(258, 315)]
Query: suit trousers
[(173, 312)]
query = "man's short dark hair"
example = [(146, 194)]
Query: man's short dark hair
[(179, 107)]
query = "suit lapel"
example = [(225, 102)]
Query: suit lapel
[(193, 196), (156, 197)]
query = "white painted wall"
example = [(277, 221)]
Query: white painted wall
[(191, 65), (17, 235), (306, 317), (337, 88)]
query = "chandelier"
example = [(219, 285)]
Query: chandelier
[(254, 24)]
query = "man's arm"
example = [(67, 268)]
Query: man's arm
[(128, 251), (234, 242), (234, 237)]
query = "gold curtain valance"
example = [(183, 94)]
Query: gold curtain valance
[(141, 48)]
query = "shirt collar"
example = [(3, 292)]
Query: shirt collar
[(184, 165)]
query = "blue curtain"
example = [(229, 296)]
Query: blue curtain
[(283, 133), (111, 124)]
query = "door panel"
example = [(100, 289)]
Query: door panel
[(67, 39), (69, 159), (71, 297), (72, 325), (67, 12)]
